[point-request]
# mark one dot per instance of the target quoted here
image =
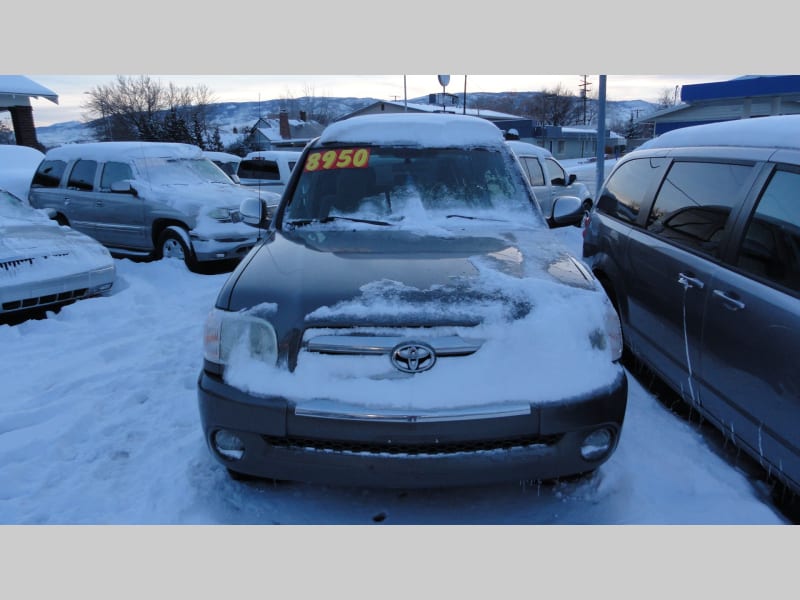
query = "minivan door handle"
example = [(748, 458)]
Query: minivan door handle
[(729, 301), (688, 281)]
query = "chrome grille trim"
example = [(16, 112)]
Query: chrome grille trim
[(467, 413), (451, 345)]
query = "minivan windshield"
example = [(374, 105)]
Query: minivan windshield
[(401, 185), (180, 171)]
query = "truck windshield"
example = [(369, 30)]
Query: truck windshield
[(393, 184)]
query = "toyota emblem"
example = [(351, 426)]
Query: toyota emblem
[(413, 357)]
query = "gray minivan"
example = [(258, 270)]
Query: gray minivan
[(696, 238), (154, 199)]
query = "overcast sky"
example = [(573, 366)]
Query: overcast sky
[(72, 89), (279, 50)]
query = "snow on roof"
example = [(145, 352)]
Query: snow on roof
[(22, 86), (273, 154), (526, 149), (413, 129), (782, 131), (123, 151), (221, 156), (437, 108)]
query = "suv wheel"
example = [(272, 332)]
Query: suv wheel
[(172, 245)]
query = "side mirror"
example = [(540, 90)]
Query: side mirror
[(123, 187), (235, 178), (572, 178), (567, 210), (253, 211)]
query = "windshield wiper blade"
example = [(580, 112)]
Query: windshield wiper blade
[(474, 218), (328, 219)]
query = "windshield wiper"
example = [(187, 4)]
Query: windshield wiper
[(474, 218), (328, 219)]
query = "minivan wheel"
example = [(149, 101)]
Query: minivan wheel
[(172, 245)]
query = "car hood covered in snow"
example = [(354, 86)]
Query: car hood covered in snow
[(519, 292), (35, 251)]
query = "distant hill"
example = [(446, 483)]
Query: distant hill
[(234, 118)]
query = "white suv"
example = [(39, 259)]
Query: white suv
[(548, 177), (268, 169)]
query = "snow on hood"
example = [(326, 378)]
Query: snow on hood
[(544, 340), (17, 166), (31, 251)]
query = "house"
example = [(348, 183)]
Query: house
[(562, 142), (740, 98), (576, 141), (283, 132), (16, 92)]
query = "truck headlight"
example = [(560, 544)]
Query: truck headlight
[(229, 332)]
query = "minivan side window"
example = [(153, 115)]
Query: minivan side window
[(625, 189), (694, 202), (113, 172), (771, 246), (49, 174), (82, 175)]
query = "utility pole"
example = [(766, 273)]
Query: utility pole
[(584, 85)]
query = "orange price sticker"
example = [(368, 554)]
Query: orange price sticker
[(339, 158)]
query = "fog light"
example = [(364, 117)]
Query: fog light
[(228, 444), (597, 443)]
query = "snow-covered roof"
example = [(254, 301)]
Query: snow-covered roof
[(124, 151), (526, 149), (273, 154), (782, 131), (437, 108), (221, 156), (436, 130), (19, 85)]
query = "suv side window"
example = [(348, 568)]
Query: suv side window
[(694, 202), (771, 246), (82, 175), (534, 169), (114, 171), (625, 190), (555, 171), (49, 173)]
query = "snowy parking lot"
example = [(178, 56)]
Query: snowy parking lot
[(99, 425)]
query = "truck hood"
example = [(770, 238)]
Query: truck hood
[(398, 278)]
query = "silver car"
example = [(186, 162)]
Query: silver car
[(147, 199), (548, 177), (44, 265)]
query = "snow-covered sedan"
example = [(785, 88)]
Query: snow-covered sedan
[(44, 265), (410, 320)]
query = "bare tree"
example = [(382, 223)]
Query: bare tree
[(554, 106), (138, 107), (668, 97)]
